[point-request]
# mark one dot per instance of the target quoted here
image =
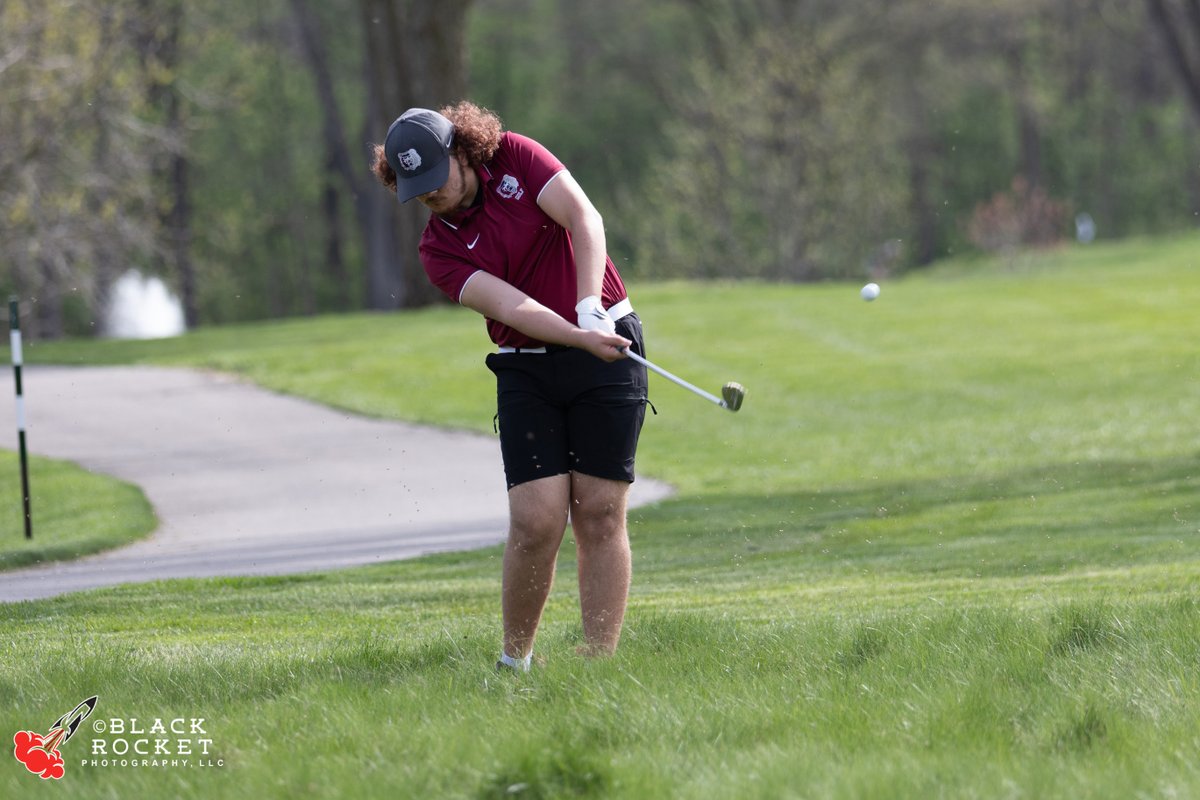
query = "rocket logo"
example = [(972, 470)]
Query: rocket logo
[(40, 753)]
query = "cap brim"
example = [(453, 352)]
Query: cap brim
[(434, 179)]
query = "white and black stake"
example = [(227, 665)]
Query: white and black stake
[(14, 320)]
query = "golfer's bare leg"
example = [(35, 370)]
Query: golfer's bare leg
[(537, 519), (602, 541)]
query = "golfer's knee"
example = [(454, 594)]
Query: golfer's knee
[(597, 520), (533, 535)]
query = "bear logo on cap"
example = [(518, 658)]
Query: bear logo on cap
[(410, 159)]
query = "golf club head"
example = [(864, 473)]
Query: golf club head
[(733, 395)]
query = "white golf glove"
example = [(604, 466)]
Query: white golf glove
[(593, 316)]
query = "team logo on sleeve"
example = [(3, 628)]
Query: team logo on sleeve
[(410, 159), (510, 188)]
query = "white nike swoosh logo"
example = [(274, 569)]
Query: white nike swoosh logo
[(471, 246)]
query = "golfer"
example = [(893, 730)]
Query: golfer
[(514, 237)]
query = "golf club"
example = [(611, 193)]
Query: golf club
[(733, 393)]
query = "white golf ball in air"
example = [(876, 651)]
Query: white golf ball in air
[(870, 292)]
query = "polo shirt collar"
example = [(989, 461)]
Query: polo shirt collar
[(458, 218)]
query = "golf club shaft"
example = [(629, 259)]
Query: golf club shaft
[(673, 378)]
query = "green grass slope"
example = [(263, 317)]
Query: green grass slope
[(950, 547), (74, 512)]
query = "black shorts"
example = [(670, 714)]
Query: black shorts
[(566, 410)]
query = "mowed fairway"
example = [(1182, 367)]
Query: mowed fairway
[(950, 547)]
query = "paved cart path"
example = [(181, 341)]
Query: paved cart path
[(248, 482)]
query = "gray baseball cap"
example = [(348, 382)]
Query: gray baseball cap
[(418, 149)]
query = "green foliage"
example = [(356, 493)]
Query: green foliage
[(595, 83), (760, 138), (781, 169), (74, 178), (785, 140), (257, 139)]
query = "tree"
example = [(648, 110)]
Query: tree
[(227, 145), (339, 170), (74, 184), (156, 30), (785, 165), (414, 54), (1179, 23)]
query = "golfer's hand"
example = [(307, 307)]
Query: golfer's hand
[(593, 317), (603, 345)]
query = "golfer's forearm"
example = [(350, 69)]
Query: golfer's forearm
[(587, 240), (538, 322), (498, 300)]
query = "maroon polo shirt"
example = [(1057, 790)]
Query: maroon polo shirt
[(509, 236)]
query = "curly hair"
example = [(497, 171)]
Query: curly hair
[(476, 135), (476, 131)]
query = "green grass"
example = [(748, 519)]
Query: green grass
[(74, 512), (949, 548)]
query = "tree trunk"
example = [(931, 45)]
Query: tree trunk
[(1182, 37), (290, 268), (107, 266), (922, 154), (1029, 135), (385, 283), (48, 310), (179, 225), (158, 46), (335, 258), (416, 56)]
